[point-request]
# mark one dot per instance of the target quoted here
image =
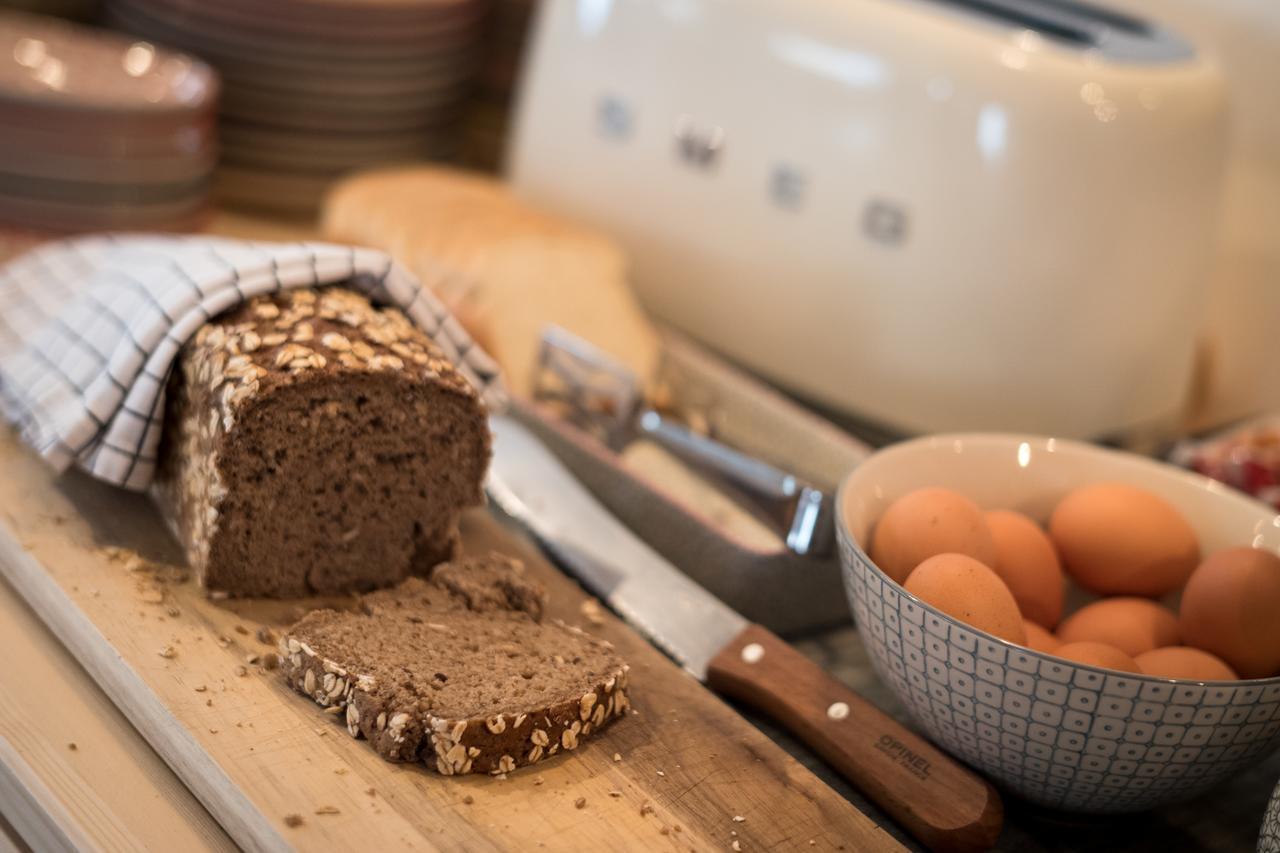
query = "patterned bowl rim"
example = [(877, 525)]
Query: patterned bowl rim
[(846, 537)]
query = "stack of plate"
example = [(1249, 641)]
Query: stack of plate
[(79, 10), (316, 88), (489, 115), (99, 131)]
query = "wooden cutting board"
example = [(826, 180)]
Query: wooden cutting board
[(677, 775), (73, 773)]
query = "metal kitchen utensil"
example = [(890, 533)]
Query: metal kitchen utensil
[(606, 399), (946, 806)]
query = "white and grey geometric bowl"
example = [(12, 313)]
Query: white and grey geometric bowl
[(1061, 734), (1269, 836)]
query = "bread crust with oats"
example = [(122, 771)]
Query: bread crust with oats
[(459, 671)]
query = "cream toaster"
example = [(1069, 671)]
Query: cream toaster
[(928, 214), (1241, 343)]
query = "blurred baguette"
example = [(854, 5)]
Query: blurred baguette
[(506, 269)]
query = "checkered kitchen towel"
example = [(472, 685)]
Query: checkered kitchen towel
[(89, 328)]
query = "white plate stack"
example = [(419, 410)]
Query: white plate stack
[(317, 88), (99, 131)]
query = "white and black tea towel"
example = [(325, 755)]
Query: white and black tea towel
[(90, 327)]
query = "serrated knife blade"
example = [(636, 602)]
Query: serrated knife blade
[(946, 806), (673, 612)]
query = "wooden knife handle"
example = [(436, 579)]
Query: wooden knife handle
[(945, 806)]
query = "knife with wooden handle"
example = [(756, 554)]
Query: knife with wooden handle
[(943, 804)]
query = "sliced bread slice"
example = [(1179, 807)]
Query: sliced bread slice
[(458, 670)]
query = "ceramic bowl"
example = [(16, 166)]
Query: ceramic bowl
[(1061, 734), (1269, 835)]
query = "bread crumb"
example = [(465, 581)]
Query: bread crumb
[(223, 641), (218, 595), (660, 773), (679, 828), (615, 793), (241, 671), (341, 771), (646, 808), (468, 799), (665, 831), (173, 611), (72, 746), (739, 819), (591, 611), (167, 652), (293, 820), (321, 732), (208, 703), (213, 731), (737, 845), (538, 780), (328, 810), (151, 595), (265, 636), (252, 659), (202, 688), (240, 629), (617, 756), (373, 792), (580, 803)]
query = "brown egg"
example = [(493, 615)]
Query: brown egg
[(1132, 625), (925, 523), (1117, 539), (1027, 562), (1231, 607), (1039, 639), (962, 587), (1097, 654), (1185, 662)]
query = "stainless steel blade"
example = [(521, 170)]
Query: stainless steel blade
[(530, 484)]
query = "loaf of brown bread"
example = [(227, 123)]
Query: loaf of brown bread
[(317, 444), (458, 670)]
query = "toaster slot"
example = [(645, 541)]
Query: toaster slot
[(1028, 16), (1108, 17), (1066, 21)]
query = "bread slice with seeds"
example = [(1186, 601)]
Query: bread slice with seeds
[(459, 670), (317, 444)]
